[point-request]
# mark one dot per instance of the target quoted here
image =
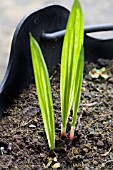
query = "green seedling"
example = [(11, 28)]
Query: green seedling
[(70, 77), (77, 92), (43, 91), (72, 62)]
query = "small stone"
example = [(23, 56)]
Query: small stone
[(85, 150), (100, 143), (95, 162), (88, 77), (87, 168), (95, 148), (55, 159), (102, 165), (84, 109), (42, 155), (102, 62), (9, 147), (111, 156), (2, 150), (110, 80), (32, 126), (56, 165), (83, 89), (96, 168)]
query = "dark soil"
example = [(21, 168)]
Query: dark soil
[(23, 143)]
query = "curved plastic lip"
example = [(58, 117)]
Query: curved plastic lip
[(94, 49), (19, 73), (23, 20), (29, 14), (87, 29)]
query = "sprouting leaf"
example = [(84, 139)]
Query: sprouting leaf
[(77, 91), (73, 42), (96, 73), (43, 88)]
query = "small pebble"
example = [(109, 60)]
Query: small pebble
[(110, 80), (102, 62), (100, 143), (88, 77), (2, 150), (85, 150), (84, 109), (111, 156), (95, 162), (102, 165), (32, 126), (83, 89), (86, 168), (9, 147)]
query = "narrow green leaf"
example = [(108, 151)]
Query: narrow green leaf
[(73, 42), (77, 91), (43, 88)]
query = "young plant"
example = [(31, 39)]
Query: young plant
[(43, 91), (77, 92), (71, 62)]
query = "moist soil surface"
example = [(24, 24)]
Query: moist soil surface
[(23, 143)]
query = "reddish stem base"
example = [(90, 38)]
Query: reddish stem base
[(63, 134)]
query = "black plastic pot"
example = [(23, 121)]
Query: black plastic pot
[(47, 25)]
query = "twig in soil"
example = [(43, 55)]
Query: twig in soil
[(108, 69), (100, 73), (55, 71), (78, 122), (107, 153), (16, 146), (88, 104)]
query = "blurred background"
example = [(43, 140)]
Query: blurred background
[(95, 12)]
